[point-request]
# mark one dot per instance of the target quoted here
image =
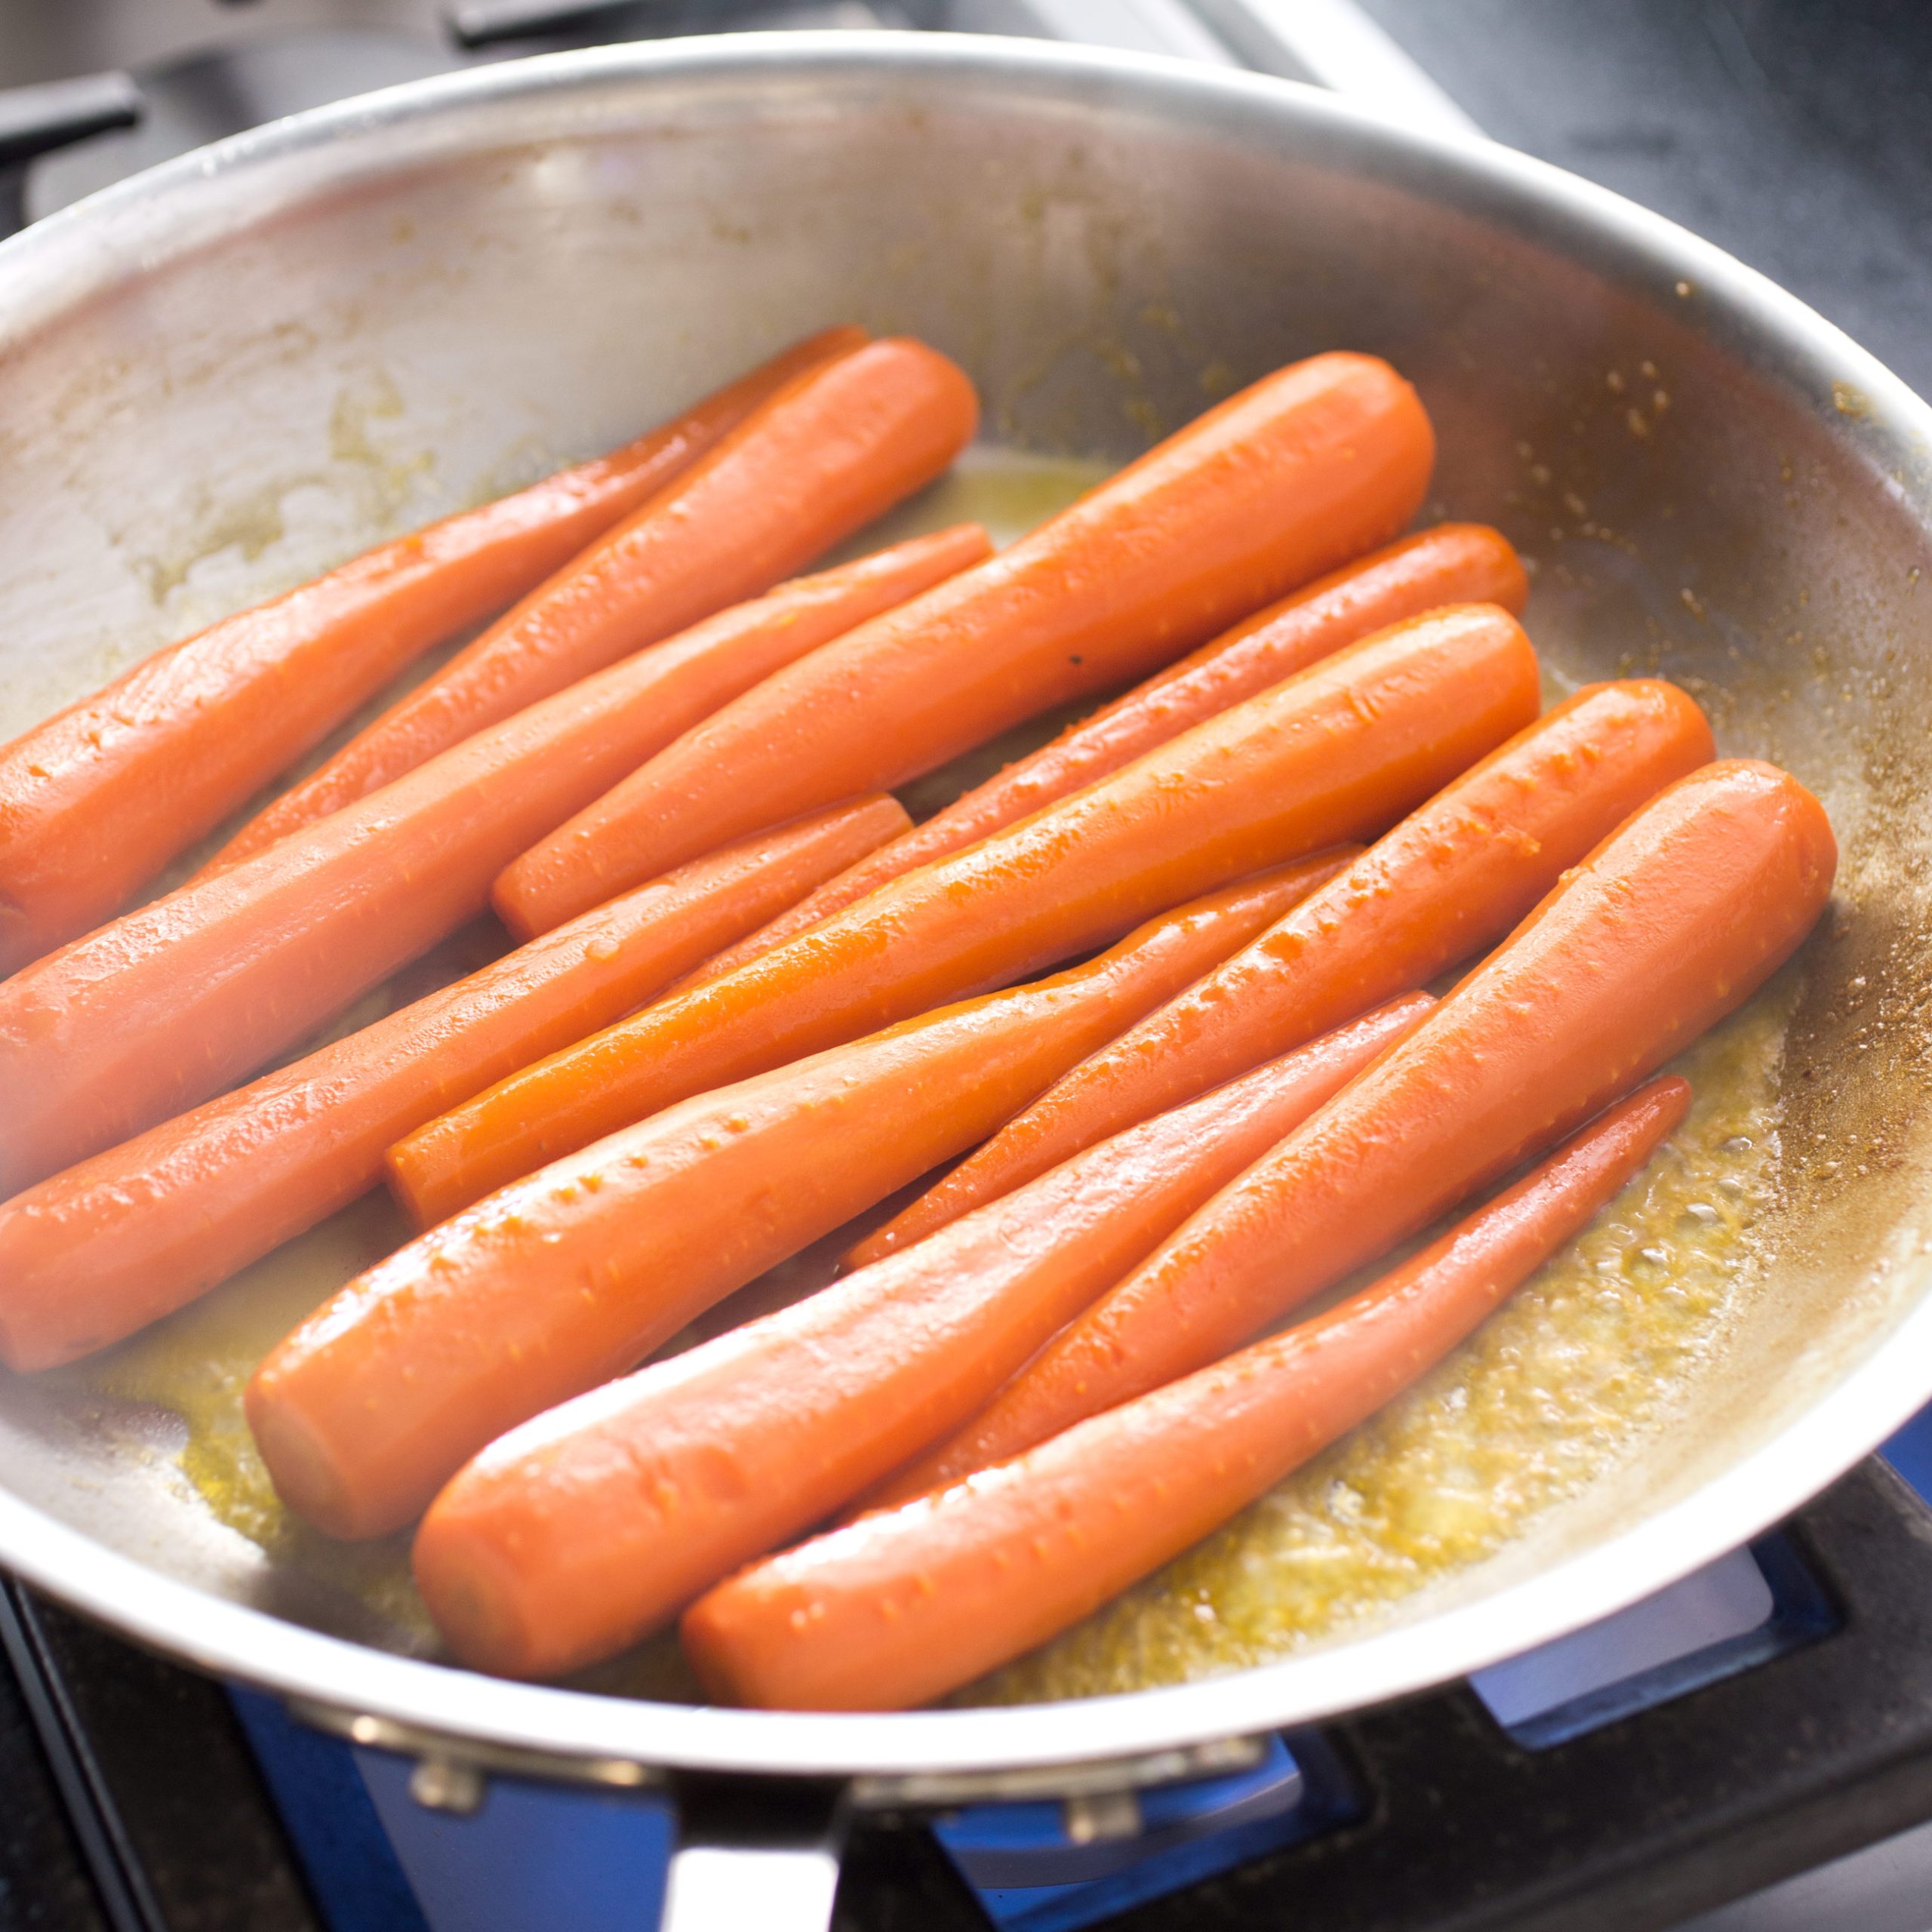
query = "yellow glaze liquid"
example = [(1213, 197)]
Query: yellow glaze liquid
[(197, 1362), (1595, 1352), (1555, 1390), (1010, 492)]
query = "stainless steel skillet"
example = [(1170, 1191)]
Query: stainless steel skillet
[(223, 374)]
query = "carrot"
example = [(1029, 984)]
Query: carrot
[(96, 800), (1674, 920), (573, 1276), (171, 1004), (1343, 750), (1455, 563), (107, 1246), (1293, 476), (900, 1608), (1107, 1209), (572, 1536), (840, 443), (1451, 879)]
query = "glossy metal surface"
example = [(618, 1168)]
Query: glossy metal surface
[(223, 375)]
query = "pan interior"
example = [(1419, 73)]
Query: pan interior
[(341, 350)]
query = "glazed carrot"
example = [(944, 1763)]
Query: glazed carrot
[(1455, 563), (573, 1276), (1451, 879), (96, 800), (900, 1607), (1341, 750), (839, 444), (1675, 919), (107, 1246), (1293, 476), (169, 1004), (1069, 1236), (574, 1534)]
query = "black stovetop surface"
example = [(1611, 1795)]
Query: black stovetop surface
[(1796, 134)]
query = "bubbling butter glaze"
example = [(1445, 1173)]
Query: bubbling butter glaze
[(1599, 1349), (197, 1363)]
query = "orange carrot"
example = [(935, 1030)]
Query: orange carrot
[(1343, 750), (169, 1004), (1293, 476), (1454, 563), (900, 1608), (566, 1279), (572, 1536), (1453, 877), (840, 444), (107, 1246), (1673, 921), (96, 800), (1117, 1202)]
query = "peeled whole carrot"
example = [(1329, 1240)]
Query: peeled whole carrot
[(103, 1248), (1117, 1202), (1675, 919), (153, 1014), (564, 1280), (1453, 877), (836, 447), (96, 800), (1342, 750), (1298, 473), (572, 1537), (1454, 563), (900, 1607)]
